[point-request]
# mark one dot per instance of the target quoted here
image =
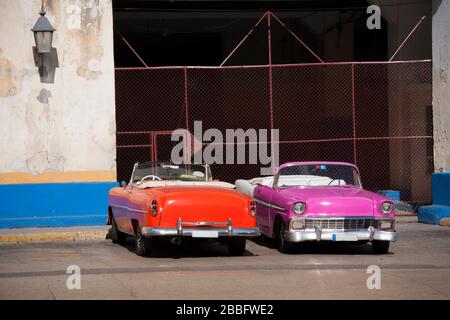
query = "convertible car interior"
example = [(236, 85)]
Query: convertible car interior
[(247, 186)]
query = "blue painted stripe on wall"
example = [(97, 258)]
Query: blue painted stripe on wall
[(54, 204)]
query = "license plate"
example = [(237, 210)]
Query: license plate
[(344, 237), (205, 234)]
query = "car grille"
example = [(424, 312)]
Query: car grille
[(341, 224)]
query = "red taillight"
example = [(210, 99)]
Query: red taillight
[(154, 208), (252, 208)]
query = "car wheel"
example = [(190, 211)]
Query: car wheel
[(380, 247), (284, 246), (144, 245), (236, 246), (116, 235)]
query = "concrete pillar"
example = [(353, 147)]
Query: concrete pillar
[(439, 212), (441, 86)]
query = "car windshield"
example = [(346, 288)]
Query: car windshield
[(166, 171), (315, 175)]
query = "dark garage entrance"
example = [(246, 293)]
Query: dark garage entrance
[(374, 114)]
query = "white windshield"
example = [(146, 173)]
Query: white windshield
[(318, 175), (150, 171)]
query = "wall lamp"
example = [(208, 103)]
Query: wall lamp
[(43, 33), (46, 58)]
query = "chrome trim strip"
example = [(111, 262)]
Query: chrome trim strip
[(229, 228), (129, 209), (228, 224), (179, 227), (371, 233), (204, 223), (318, 231), (267, 204)]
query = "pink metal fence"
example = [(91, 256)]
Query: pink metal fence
[(374, 114)]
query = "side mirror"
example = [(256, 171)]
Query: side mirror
[(123, 184)]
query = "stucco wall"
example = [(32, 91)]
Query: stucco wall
[(441, 85), (62, 131)]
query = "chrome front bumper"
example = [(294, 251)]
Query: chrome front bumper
[(319, 234), (237, 232), (187, 229)]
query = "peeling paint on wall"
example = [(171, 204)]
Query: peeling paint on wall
[(38, 120), (44, 162), (67, 125), (7, 78), (52, 7), (84, 23), (43, 96)]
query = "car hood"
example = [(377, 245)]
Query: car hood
[(333, 201)]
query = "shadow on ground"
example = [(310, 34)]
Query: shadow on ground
[(188, 248), (323, 247)]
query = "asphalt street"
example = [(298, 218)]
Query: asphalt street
[(417, 267)]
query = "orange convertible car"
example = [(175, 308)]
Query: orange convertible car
[(176, 201)]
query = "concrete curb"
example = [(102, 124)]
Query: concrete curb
[(53, 234), (445, 222)]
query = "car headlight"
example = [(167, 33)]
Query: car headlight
[(387, 207), (299, 207)]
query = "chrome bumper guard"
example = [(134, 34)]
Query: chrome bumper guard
[(186, 229), (319, 234)]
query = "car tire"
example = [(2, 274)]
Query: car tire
[(380, 246), (116, 236), (284, 246), (236, 246), (144, 245)]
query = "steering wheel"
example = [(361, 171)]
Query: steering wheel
[(151, 176), (335, 180)]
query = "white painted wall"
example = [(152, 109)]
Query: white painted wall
[(68, 125), (441, 86)]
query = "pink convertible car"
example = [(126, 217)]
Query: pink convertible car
[(320, 201)]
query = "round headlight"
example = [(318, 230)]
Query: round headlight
[(299, 207), (387, 207)]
